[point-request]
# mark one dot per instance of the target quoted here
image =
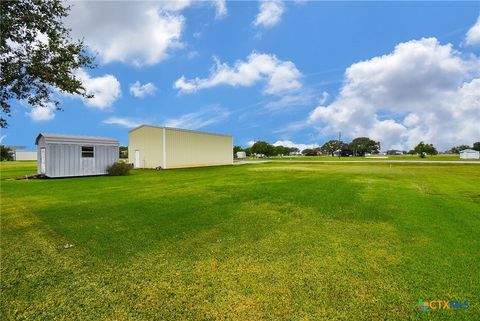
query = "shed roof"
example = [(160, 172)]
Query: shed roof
[(74, 139), (469, 151)]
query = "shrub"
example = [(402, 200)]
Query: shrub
[(119, 169)]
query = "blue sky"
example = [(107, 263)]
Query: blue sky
[(285, 72)]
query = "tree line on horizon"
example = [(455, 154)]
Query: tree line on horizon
[(359, 146)]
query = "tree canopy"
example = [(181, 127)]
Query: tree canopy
[(457, 149), (37, 55), (262, 147), (476, 146), (423, 149), (362, 145), (6, 154)]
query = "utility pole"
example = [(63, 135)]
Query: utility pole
[(339, 144)]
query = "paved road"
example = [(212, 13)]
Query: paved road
[(358, 161)]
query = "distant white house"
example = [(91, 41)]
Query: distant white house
[(469, 154), (241, 155), (21, 155)]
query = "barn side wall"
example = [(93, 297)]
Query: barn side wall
[(149, 142), (197, 149)]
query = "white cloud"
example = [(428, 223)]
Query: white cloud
[(197, 120), (421, 91), (270, 13), (301, 98), (220, 9), (473, 35), (2, 138), (138, 33), (123, 122), (280, 76), (324, 99), (106, 89), (41, 114), (289, 143), (292, 127), (139, 90)]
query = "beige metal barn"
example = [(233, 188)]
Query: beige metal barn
[(164, 147)]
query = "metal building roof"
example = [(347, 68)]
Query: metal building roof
[(179, 129), (74, 139)]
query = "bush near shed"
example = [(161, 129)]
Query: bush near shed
[(119, 169)]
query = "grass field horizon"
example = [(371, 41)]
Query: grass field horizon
[(380, 158), (273, 241)]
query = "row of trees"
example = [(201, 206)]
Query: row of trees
[(264, 148), (357, 147), (457, 149)]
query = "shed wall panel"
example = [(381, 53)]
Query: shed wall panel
[(63, 160)]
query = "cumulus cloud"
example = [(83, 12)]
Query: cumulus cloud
[(123, 122), (280, 76), (106, 89), (197, 120), (140, 33), (421, 91), (41, 114), (473, 35), (289, 143), (140, 91), (270, 13)]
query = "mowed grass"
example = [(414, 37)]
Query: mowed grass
[(252, 242)]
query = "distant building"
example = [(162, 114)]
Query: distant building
[(69, 155), (469, 154), (241, 155), (20, 155)]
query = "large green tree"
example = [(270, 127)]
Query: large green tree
[(423, 149), (38, 57), (362, 145), (332, 146), (262, 147)]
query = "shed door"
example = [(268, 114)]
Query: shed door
[(137, 158), (88, 160), (42, 160)]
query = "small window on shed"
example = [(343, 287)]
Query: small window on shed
[(87, 151)]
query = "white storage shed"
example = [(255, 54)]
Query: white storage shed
[(469, 154), (241, 155), (69, 155)]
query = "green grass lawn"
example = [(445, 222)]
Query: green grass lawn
[(269, 241)]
